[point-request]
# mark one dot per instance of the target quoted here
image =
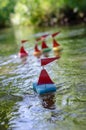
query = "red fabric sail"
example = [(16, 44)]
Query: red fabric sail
[(22, 52), (42, 37), (23, 41), (44, 45), (48, 60), (54, 34), (55, 43), (44, 78), (36, 48)]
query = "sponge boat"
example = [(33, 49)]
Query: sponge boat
[(45, 84)]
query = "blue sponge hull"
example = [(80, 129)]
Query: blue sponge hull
[(42, 89)]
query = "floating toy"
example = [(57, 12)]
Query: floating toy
[(45, 84), (56, 46), (37, 52), (23, 54), (44, 47)]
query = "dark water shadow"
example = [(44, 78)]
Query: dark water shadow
[(48, 100)]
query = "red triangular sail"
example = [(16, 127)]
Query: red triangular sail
[(44, 78), (22, 51), (54, 34), (48, 60), (44, 45), (42, 37), (23, 41), (55, 43), (36, 48)]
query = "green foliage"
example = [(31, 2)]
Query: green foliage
[(38, 12), (35, 11), (79, 4), (6, 8)]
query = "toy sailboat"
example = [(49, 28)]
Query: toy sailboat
[(56, 46), (55, 43), (23, 54), (45, 84), (37, 52), (44, 46)]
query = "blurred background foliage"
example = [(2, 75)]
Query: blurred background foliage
[(6, 8), (42, 13)]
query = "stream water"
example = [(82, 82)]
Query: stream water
[(20, 107)]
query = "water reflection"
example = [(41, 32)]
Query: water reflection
[(24, 60), (48, 100)]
